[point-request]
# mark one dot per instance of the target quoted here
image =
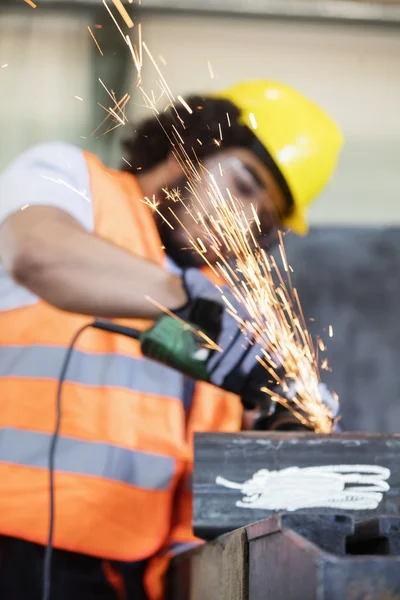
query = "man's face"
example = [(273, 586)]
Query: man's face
[(236, 172)]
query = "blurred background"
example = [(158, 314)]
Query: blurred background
[(343, 54)]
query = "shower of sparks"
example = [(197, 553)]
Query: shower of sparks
[(275, 319), (95, 41)]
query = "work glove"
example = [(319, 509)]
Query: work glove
[(236, 368), (231, 369)]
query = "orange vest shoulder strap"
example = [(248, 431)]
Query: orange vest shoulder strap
[(120, 212)]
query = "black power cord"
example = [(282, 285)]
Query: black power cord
[(52, 451), (97, 324)]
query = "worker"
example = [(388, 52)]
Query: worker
[(78, 239)]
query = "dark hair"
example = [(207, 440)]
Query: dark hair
[(200, 131), (150, 144)]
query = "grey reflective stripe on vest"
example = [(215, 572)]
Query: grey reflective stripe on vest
[(141, 469), (100, 370)]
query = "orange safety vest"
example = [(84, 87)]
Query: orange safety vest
[(125, 439)]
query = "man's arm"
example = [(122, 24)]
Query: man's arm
[(47, 242), (46, 250)]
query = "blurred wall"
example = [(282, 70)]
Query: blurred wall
[(45, 60), (351, 70), (49, 78)]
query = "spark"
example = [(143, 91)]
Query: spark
[(330, 331), (32, 4), (325, 365), (95, 41), (79, 98), (228, 119), (4, 66), (153, 205), (117, 119), (114, 19), (210, 69), (140, 45), (210, 343), (128, 163), (164, 83), (123, 12), (253, 120), (201, 244), (162, 60), (174, 194), (185, 105), (220, 131), (135, 56), (80, 193), (256, 219), (24, 207)]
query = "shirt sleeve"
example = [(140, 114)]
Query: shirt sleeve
[(52, 174)]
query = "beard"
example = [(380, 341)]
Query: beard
[(182, 256), (176, 241)]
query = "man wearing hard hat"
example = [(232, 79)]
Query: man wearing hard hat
[(76, 239)]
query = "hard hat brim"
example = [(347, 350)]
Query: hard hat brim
[(297, 223)]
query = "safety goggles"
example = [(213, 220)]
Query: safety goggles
[(231, 178)]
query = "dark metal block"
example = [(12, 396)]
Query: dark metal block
[(352, 473), (294, 556), (287, 562)]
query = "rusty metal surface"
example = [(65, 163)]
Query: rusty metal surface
[(237, 457)]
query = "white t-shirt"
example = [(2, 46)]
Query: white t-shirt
[(52, 174)]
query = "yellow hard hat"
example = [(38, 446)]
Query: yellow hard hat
[(301, 138)]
